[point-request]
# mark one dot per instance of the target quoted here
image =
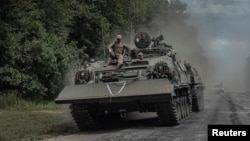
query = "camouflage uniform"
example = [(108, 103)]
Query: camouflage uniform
[(118, 51)]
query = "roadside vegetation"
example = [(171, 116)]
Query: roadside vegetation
[(22, 120)]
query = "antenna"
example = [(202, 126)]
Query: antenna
[(104, 52)]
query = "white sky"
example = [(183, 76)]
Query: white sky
[(224, 33)]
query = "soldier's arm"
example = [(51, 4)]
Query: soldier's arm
[(127, 48), (110, 47)]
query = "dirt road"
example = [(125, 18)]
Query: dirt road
[(226, 108)]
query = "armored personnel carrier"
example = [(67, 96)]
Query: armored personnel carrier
[(160, 82)]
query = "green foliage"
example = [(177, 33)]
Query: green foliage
[(90, 27), (35, 56)]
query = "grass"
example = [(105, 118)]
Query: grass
[(27, 121)]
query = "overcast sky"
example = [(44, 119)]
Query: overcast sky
[(224, 33)]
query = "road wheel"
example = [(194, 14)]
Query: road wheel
[(178, 107), (187, 107), (190, 103), (198, 102), (183, 108)]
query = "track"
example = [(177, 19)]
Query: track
[(82, 117), (225, 108)]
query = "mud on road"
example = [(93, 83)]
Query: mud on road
[(224, 108)]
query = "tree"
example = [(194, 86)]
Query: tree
[(35, 57)]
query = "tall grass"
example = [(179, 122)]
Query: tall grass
[(9, 100), (26, 120), (12, 100)]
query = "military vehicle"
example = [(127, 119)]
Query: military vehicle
[(160, 83), (220, 88)]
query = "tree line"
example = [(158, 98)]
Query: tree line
[(41, 39)]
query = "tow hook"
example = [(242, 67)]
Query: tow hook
[(106, 112), (123, 113)]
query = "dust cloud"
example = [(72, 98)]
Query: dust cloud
[(219, 47), (184, 39), (224, 35)]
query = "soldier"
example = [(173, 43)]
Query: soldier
[(118, 50), (140, 56), (173, 55)]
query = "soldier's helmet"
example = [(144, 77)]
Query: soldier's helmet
[(174, 52), (119, 37), (140, 53)]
